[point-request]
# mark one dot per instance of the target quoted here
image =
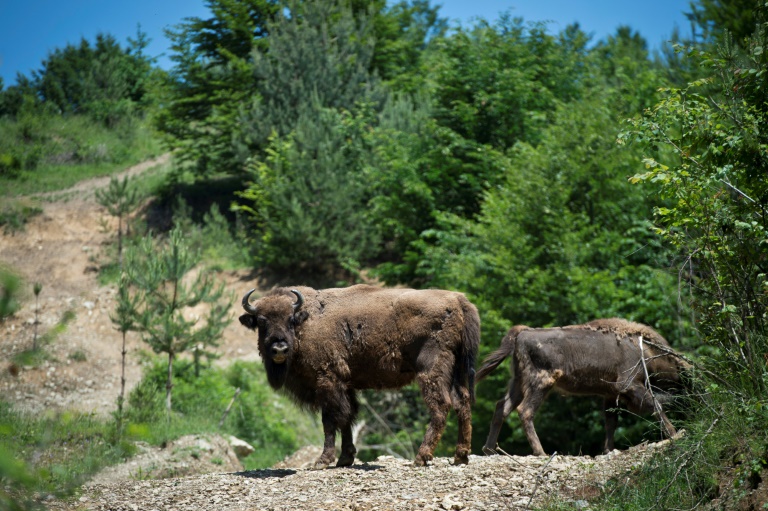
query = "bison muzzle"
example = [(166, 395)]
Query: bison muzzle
[(321, 346), (621, 361)]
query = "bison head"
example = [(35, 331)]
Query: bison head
[(276, 317)]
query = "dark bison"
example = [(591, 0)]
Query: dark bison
[(601, 358), (321, 346)]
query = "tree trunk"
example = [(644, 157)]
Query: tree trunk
[(169, 384)]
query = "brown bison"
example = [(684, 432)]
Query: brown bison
[(601, 358), (321, 346)]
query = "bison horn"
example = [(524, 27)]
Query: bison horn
[(250, 309), (299, 300)]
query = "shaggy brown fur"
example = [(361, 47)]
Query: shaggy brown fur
[(600, 358), (321, 346)]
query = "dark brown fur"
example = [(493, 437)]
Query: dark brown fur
[(363, 337), (599, 358)]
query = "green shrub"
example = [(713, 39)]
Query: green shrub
[(266, 420), (15, 213)]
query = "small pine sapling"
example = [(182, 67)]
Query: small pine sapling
[(119, 200), (157, 274)]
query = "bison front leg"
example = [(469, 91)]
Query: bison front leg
[(641, 399), (329, 445), (348, 450), (611, 423)]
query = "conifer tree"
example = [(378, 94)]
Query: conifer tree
[(119, 200), (124, 320), (320, 55), (308, 198), (155, 274)]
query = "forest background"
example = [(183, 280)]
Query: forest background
[(551, 178)]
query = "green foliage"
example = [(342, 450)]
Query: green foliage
[(10, 284), (268, 421), (708, 154), (220, 241), (500, 84), (52, 152), (419, 169), (119, 200), (14, 473), (308, 197), (319, 57), (14, 213), (212, 80), (403, 32), (103, 81), (51, 454), (156, 274), (716, 18), (562, 239), (706, 151), (255, 66)]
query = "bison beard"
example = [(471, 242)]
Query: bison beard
[(601, 358), (321, 346)]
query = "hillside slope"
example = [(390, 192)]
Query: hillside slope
[(61, 249)]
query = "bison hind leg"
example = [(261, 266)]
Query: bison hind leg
[(504, 407), (348, 450), (436, 390), (462, 405)]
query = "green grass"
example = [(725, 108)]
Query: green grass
[(14, 213), (59, 450), (48, 153), (272, 424), (55, 452)]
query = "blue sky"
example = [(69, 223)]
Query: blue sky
[(30, 29)]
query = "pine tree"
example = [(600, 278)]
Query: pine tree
[(124, 320), (320, 55), (308, 198), (156, 274), (119, 200)]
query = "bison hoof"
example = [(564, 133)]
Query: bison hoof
[(461, 459), (489, 451), (422, 460), (321, 465), (345, 461)]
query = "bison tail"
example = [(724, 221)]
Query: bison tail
[(493, 360), (464, 373)]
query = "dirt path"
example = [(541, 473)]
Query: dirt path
[(62, 249)]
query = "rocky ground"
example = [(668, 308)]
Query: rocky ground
[(488, 483)]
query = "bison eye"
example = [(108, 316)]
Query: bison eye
[(261, 321)]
